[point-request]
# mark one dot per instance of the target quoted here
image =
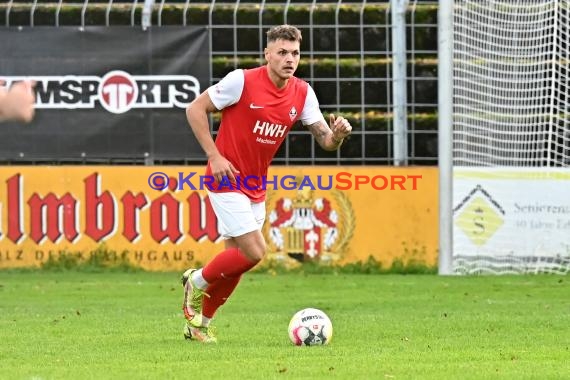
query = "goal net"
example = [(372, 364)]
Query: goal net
[(511, 136)]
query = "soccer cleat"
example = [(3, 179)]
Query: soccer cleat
[(199, 333), (193, 295)]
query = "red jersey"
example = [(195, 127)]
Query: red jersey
[(253, 129)]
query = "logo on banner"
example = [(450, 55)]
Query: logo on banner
[(117, 91), (479, 216), (308, 227)]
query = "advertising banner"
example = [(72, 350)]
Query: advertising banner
[(159, 218), (105, 92), (512, 212)]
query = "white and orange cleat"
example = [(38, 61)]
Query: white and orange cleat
[(192, 307), (195, 331), (192, 304)]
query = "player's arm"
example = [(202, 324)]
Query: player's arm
[(197, 115), (330, 138), (17, 103), (223, 94)]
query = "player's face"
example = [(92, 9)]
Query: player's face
[(283, 57)]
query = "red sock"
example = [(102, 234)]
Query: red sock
[(229, 263), (219, 292)]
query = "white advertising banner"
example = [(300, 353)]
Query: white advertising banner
[(511, 212)]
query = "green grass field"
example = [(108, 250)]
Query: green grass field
[(72, 325)]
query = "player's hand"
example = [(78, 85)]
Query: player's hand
[(340, 127), (17, 103), (221, 167)]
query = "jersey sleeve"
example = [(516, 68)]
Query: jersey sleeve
[(311, 112), (227, 91)]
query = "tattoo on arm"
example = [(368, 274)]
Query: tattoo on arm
[(324, 136), (320, 131)]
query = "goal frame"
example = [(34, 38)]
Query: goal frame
[(445, 135), (550, 260)]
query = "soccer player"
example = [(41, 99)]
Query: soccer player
[(17, 103), (259, 107)]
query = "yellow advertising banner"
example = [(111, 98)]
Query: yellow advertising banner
[(159, 218)]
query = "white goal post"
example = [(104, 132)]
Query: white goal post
[(504, 136)]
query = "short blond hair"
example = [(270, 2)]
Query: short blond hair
[(284, 32)]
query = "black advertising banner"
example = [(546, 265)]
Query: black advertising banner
[(105, 92)]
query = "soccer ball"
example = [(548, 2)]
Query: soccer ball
[(310, 327)]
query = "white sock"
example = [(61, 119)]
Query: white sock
[(198, 280), (205, 321)]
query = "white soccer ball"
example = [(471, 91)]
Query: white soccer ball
[(310, 327)]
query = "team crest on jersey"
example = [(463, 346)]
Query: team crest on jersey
[(293, 113), (309, 227)]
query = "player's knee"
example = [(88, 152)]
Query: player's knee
[(258, 252), (252, 246)]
